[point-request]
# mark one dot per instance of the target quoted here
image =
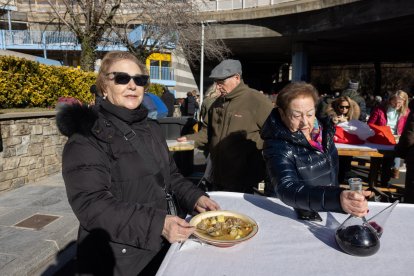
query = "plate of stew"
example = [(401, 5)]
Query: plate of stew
[(223, 228)]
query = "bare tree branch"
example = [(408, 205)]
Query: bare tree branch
[(90, 20), (4, 4), (165, 25)]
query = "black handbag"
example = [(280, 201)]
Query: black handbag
[(173, 206)]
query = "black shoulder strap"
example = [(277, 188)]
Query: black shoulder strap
[(131, 137)]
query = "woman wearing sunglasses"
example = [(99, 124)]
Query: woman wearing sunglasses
[(343, 109), (119, 177)]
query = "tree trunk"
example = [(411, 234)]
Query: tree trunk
[(88, 55)]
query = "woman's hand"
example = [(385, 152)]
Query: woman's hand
[(176, 229), (182, 139), (342, 119), (206, 204), (355, 203)]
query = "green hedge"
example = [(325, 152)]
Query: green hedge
[(25, 83), (156, 89)]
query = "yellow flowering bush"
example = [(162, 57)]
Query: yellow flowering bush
[(25, 83), (156, 89)]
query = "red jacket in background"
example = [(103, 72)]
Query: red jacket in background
[(379, 117)]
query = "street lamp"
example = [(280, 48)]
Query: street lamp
[(201, 68), (202, 61)]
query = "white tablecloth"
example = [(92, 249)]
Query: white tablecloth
[(287, 246)]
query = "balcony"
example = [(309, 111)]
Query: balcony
[(162, 75), (50, 40)]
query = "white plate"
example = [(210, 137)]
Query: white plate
[(218, 242)]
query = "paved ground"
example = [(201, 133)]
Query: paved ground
[(28, 251)]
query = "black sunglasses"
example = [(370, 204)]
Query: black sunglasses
[(124, 78), (344, 106)]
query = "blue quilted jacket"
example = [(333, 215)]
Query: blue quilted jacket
[(301, 176)]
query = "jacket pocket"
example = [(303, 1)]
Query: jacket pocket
[(129, 260)]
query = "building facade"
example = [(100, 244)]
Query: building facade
[(26, 27)]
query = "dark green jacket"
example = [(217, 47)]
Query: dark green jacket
[(233, 137)]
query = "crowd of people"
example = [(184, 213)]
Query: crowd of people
[(129, 197)]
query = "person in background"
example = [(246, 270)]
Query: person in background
[(302, 159), (343, 109), (149, 104), (190, 104), (352, 92), (117, 192), (212, 94), (168, 98), (180, 103), (63, 101), (323, 102), (405, 149), (197, 110), (378, 100), (156, 107), (392, 113), (232, 134)]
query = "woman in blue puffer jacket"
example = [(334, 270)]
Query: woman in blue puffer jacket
[(302, 159)]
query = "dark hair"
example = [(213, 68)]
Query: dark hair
[(296, 90), (109, 59), (337, 102)]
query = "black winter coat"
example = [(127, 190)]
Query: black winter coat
[(168, 99), (302, 176), (118, 199), (191, 105)]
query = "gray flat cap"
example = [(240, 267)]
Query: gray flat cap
[(226, 68)]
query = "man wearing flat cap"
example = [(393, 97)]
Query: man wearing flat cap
[(231, 131)]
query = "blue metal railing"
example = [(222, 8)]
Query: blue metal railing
[(51, 40), (222, 5), (161, 73)]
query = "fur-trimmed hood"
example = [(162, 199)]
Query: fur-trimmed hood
[(76, 118)]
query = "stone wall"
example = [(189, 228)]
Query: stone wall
[(32, 148)]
